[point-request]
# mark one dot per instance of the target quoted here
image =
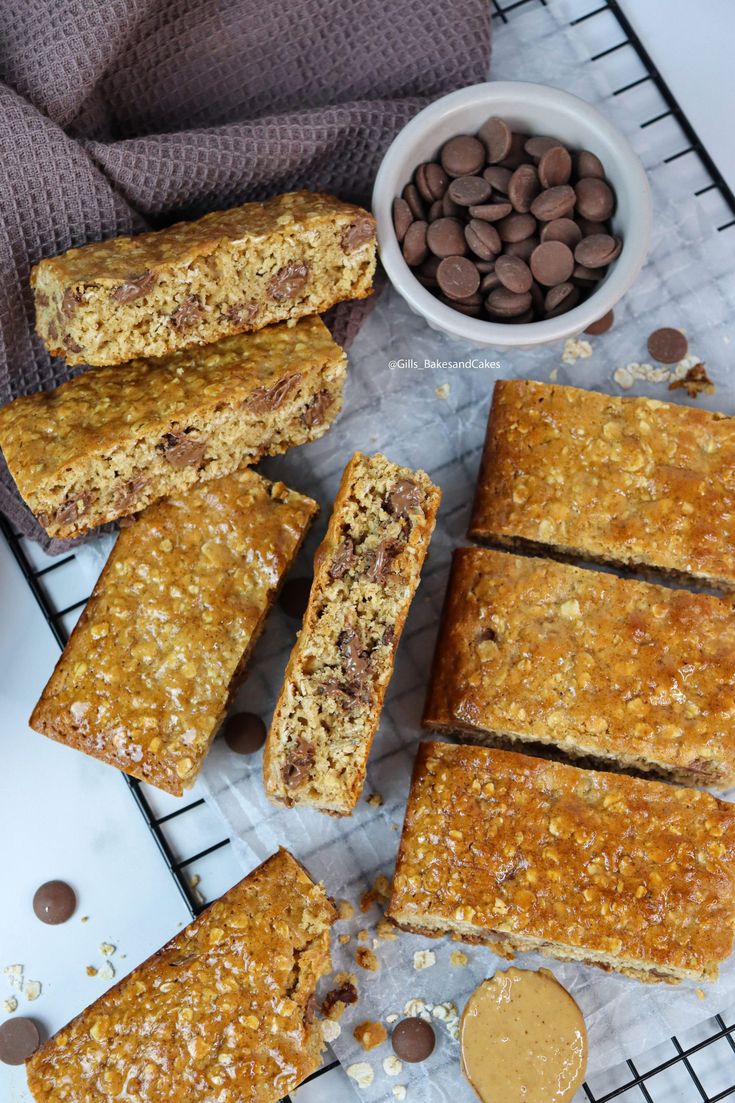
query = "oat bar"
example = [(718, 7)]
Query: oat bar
[(193, 283), (222, 1012), (524, 854), (111, 441), (365, 575), (146, 677), (627, 481), (629, 674)]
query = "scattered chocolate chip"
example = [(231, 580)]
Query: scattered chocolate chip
[(356, 234), (244, 732), (514, 274), (298, 764), (595, 199), (668, 346), (552, 262), (264, 399), (523, 188), (315, 412), (554, 167), (181, 450), (294, 597), (431, 181), (187, 313), (344, 558), (402, 217), (413, 1040), (457, 277), (414, 201), (467, 191), (54, 902), (70, 302), (498, 139), (134, 288), (445, 238), (404, 498), (602, 325), (597, 250), (491, 212), (414, 243), (19, 1040), (289, 281), (463, 156)]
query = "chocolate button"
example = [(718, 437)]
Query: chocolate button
[(554, 203), (555, 167), (463, 156), (244, 732), (602, 325), (19, 1040), (465, 191), (668, 346), (413, 1040), (445, 238), (507, 304), (597, 250), (402, 217), (587, 164), (552, 262), (595, 199), (450, 209), (498, 139), (514, 274), (491, 212), (587, 275), (414, 243), (431, 181), (54, 902), (489, 282), (516, 154), (523, 188), (587, 226), (483, 239), (562, 229), (560, 299), (457, 277), (537, 147), (516, 227), (522, 249), (436, 210), (412, 197), (294, 597), (498, 178)]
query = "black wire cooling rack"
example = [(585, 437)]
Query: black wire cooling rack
[(638, 1085)]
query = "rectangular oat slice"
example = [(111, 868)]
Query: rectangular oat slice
[(221, 1012), (627, 481), (147, 675), (111, 441), (631, 675), (524, 854), (365, 575), (194, 283)]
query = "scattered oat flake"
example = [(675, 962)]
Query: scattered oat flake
[(10, 1005), (399, 1091), (576, 348), (458, 957), (375, 800), (366, 959), (345, 909), (623, 378), (392, 1066), (107, 949), (442, 391), (106, 972), (424, 959), (392, 1018), (32, 989), (91, 971), (415, 1007), (553, 375), (695, 381), (14, 973), (370, 1034), (330, 1030), (362, 1073)]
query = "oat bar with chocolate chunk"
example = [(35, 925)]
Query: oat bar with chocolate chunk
[(524, 854), (193, 283), (632, 675), (146, 677), (191, 1023), (111, 441), (365, 575), (627, 481)]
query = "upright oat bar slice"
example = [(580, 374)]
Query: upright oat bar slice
[(632, 675), (627, 481), (147, 674), (193, 283), (525, 854), (365, 575), (110, 442), (222, 1012)]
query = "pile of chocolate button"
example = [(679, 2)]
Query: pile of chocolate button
[(508, 227)]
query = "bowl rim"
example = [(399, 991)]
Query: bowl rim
[(627, 265)]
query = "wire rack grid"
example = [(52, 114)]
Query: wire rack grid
[(631, 1082)]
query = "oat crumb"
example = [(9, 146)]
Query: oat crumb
[(32, 989), (623, 378), (91, 971), (416, 1007), (442, 391), (458, 957), (392, 1066), (366, 959), (700, 993), (392, 1018), (10, 1005), (370, 1034), (14, 973), (344, 939), (362, 1073), (330, 1030), (385, 931), (375, 800), (382, 886), (107, 949), (345, 909), (424, 959), (106, 972), (84, 919), (576, 348), (399, 1091), (695, 381), (363, 935), (553, 375)]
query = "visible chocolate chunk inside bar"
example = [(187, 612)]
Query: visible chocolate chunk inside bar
[(188, 313), (135, 288), (289, 281), (181, 450)]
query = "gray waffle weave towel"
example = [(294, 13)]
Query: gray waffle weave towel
[(124, 115)]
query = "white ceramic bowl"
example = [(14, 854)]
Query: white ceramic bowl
[(533, 109)]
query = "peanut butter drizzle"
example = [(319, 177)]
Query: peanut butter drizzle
[(523, 1039)]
